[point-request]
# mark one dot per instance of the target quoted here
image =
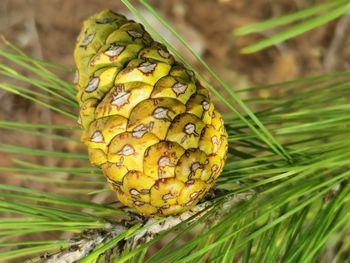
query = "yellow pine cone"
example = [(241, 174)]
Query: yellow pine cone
[(147, 121)]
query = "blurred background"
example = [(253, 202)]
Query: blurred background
[(48, 30)]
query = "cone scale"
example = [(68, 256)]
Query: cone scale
[(147, 121)]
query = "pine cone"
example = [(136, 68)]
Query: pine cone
[(147, 121)]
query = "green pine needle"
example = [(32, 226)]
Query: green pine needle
[(323, 13)]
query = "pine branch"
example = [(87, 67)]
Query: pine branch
[(80, 247), (89, 240)]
